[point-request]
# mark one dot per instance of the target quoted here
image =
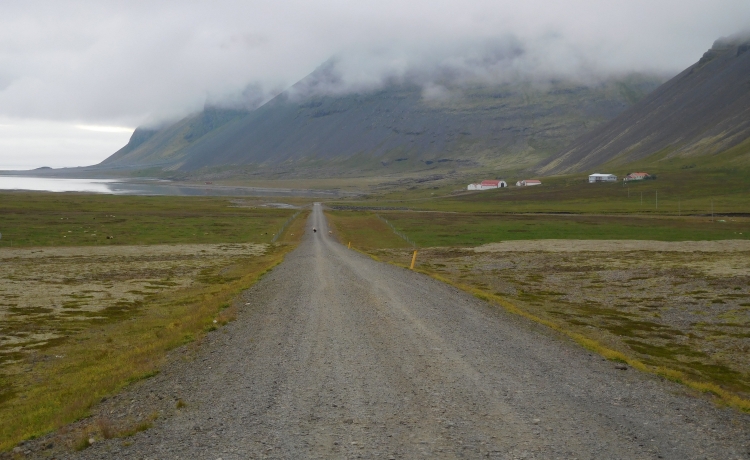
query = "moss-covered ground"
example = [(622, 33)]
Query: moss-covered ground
[(83, 318)]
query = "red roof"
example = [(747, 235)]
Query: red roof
[(491, 182), (638, 174)]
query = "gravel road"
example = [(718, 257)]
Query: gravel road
[(338, 356)]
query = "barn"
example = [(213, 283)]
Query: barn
[(598, 177), (487, 184), (528, 182)]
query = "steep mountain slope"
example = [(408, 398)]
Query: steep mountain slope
[(705, 110), (163, 147), (396, 128)]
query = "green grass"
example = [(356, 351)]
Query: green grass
[(683, 187), (48, 219), (697, 186), (466, 229), (363, 230)]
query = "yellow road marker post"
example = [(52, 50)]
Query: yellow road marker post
[(413, 260), (350, 245)]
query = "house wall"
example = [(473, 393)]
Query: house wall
[(602, 178)]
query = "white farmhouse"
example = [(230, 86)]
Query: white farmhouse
[(597, 177)]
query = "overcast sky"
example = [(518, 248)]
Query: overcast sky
[(77, 77)]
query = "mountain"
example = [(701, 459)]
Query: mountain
[(400, 127), (703, 111)]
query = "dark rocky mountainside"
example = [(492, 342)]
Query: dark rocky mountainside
[(705, 110), (393, 129)]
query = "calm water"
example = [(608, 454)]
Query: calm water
[(155, 187)]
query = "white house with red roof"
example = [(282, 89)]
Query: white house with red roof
[(637, 176), (487, 185)]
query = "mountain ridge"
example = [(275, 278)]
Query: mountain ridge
[(704, 110), (395, 128)]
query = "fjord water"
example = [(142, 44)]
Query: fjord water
[(148, 187), (50, 184)]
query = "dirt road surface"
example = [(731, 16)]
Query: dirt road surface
[(338, 356)]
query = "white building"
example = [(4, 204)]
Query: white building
[(597, 177), (637, 176), (487, 184), (528, 182)]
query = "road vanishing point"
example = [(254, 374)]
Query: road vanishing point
[(335, 355)]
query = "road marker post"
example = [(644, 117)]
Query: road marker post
[(349, 246), (413, 260)]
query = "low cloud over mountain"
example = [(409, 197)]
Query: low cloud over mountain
[(130, 63)]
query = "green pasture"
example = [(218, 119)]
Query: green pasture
[(364, 230), (683, 186), (674, 193), (432, 229), (48, 219)]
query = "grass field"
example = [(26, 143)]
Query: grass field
[(684, 187), (45, 219), (363, 230), (428, 229), (77, 323)]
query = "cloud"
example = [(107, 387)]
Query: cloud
[(106, 129), (126, 63), (28, 144)]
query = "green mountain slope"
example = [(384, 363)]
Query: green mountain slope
[(693, 118)]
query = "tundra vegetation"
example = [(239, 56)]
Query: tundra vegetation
[(82, 315), (663, 290)]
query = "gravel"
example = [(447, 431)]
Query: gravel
[(335, 355)]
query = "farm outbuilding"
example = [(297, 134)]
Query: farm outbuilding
[(637, 176), (598, 177), (487, 184), (528, 182)]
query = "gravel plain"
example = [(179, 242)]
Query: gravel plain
[(334, 355)]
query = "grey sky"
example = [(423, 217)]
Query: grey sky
[(125, 63)]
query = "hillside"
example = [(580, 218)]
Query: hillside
[(702, 112), (393, 129)]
